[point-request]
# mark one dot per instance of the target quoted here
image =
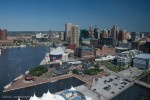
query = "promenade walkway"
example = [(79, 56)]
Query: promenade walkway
[(19, 84)]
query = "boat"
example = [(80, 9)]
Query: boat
[(53, 81), (8, 85), (0, 51), (19, 77), (27, 72), (22, 46)]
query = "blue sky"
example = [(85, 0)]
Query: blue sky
[(36, 15)]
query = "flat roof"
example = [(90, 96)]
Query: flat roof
[(144, 56), (121, 48)]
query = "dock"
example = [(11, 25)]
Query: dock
[(20, 84)]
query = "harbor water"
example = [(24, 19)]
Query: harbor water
[(25, 59)]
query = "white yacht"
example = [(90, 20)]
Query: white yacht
[(19, 77), (22, 45)]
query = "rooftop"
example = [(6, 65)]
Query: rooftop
[(144, 56), (86, 48), (57, 51), (71, 94), (109, 86)]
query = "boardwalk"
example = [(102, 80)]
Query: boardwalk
[(142, 83)]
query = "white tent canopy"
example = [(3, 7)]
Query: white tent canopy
[(72, 88), (57, 51)]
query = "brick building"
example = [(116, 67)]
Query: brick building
[(105, 50), (3, 34), (85, 51)]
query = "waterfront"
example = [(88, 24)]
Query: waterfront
[(27, 58)]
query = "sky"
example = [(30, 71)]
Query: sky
[(44, 15)]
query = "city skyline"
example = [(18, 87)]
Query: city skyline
[(39, 15)]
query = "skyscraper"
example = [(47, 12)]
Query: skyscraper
[(114, 34), (3, 34), (91, 31), (68, 32), (122, 36), (84, 33), (96, 33), (75, 35)]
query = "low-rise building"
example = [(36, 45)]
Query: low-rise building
[(85, 51), (125, 58), (70, 94), (105, 50), (142, 61)]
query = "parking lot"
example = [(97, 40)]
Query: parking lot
[(109, 86)]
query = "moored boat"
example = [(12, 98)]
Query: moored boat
[(22, 46), (19, 77)]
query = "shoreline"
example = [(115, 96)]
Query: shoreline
[(20, 84)]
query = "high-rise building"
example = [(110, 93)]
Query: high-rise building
[(75, 35), (96, 33), (109, 32), (114, 34), (62, 35), (68, 32), (91, 31), (122, 36), (104, 34), (3, 34), (84, 33)]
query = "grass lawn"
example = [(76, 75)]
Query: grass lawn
[(112, 67)]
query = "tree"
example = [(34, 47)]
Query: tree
[(38, 71), (75, 71)]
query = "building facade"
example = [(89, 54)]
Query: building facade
[(114, 34), (122, 36), (84, 33), (85, 51), (68, 27), (142, 61), (75, 35), (3, 34), (105, 50)]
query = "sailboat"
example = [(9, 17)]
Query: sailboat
[(0, 51), (18, 74), (8, 85)]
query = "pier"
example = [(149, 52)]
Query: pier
[(20, 84)]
